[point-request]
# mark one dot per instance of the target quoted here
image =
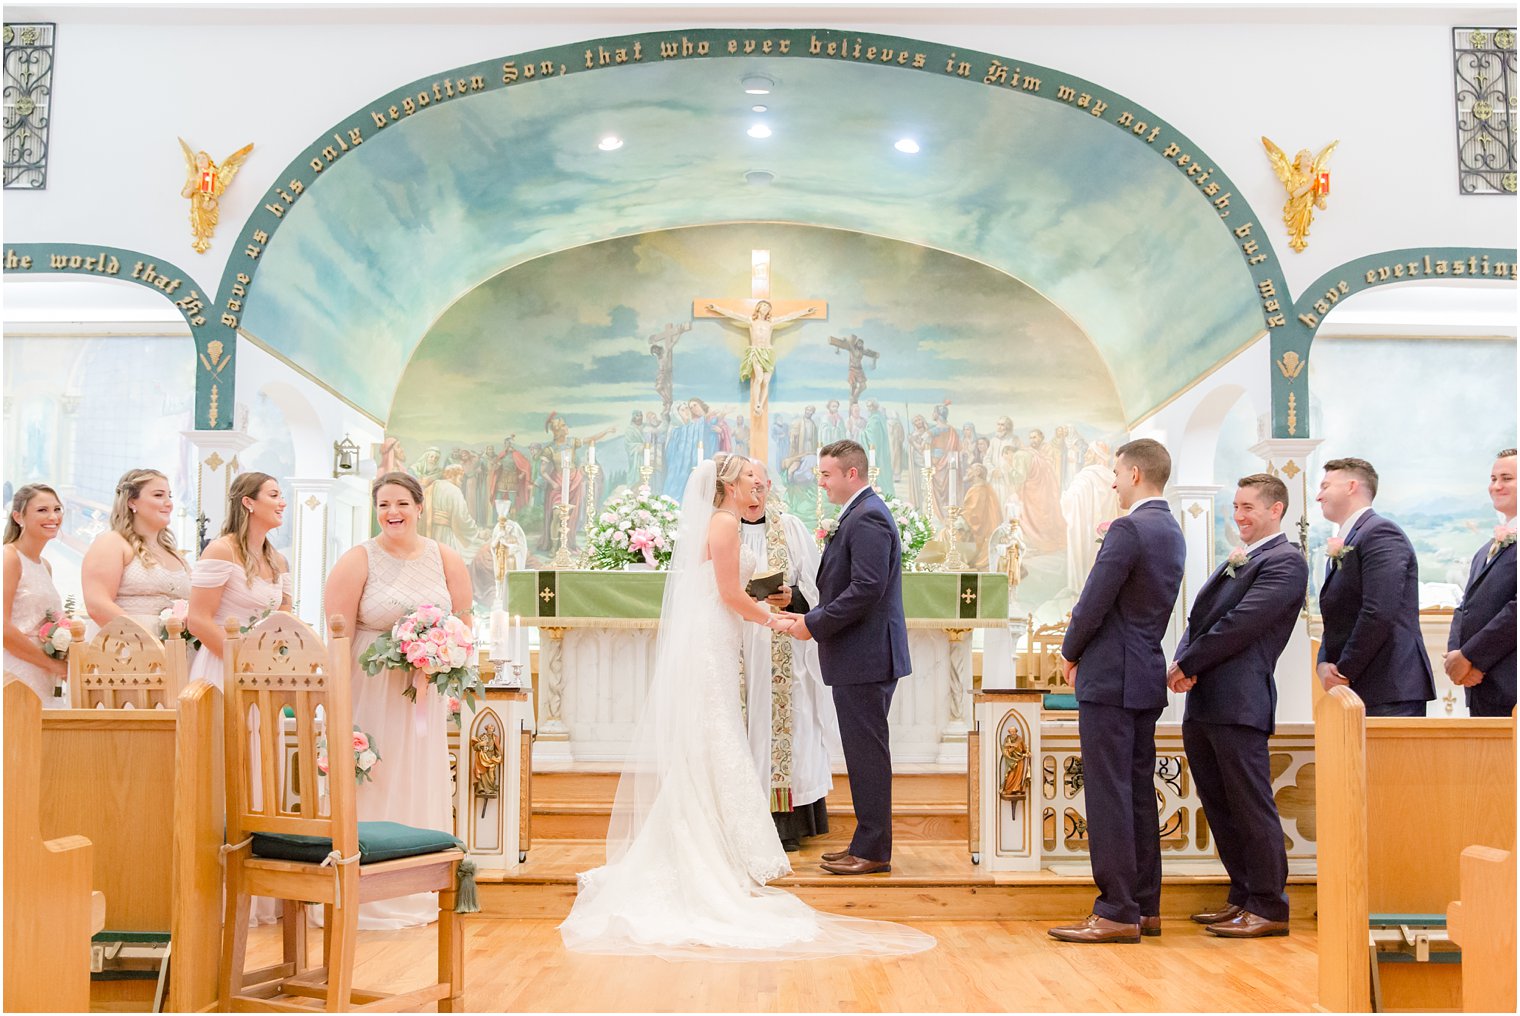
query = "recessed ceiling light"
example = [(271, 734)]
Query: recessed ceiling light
[(610, 143), (758, 109), (759, 177), (757, 84), (759, 130), (907, 145)]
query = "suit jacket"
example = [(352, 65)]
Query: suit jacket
[(1117, 625), (1237, 629), (1484, 629), (858, 623), (1370, 601)]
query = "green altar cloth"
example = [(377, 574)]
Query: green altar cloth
[(593, 598)]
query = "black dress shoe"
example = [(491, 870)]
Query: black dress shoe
[(1150, 927), (1224, 913)]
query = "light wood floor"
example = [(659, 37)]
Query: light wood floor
[(978, 966)]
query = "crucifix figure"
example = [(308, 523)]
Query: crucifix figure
[(856, 347), (662, 346), (760, 314)]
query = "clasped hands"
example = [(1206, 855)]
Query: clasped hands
[(793, 624), (1461, 670), (1177, 681)]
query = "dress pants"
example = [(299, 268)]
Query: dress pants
[(1123, 827), (863, 734), (1230, 767), (1413, 707)]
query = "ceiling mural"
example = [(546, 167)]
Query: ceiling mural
[(430, 208)]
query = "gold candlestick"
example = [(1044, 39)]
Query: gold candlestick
[(645, 472), (592, 472), (873, 473), (562, 555), (818, 503), (953, 560)]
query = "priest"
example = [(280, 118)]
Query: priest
[(786, 705)]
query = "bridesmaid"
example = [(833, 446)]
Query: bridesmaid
[(135, 568), (238, 574), (36, 518), (376, 584)]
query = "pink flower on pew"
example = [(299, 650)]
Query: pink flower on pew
[(361, 741)]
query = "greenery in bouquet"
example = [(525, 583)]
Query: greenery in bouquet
[(912, 527), (634, 528), (435, 647), (54, 632), (365, 756)]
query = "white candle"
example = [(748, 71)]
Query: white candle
[(501, 647), (871, 455), (591, 454), (701, 451), (647, 450), (818, 456), (928, 462)]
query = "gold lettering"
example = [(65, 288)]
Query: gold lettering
[(1066, 93), (1126, 118), (1309, 319), (508, 75), (996, 74)]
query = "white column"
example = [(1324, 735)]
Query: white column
[(1290, 459), (1195, 509), (324, 510), (216, 453)]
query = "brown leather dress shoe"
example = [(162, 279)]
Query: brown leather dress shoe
[(1224, 913), (1247, 925), (837, 855), (1096, 929), (852, 865), (1150, 927)]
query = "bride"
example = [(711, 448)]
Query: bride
[(691, 843)]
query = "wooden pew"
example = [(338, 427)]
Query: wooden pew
[(199, 813), (49, 909), (1397, 800), (1482, 922)]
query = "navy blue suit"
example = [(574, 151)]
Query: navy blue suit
[(1115, 639), (862, 650), (1236, 631), (1370, 601), (1484, 629)]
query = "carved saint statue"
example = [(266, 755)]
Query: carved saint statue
[(485, 765), (1015, 753), (759, 362)]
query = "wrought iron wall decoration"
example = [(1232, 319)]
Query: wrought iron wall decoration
[(28, 103), (1485, 87)]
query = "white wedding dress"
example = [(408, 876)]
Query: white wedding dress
[(691, 843)]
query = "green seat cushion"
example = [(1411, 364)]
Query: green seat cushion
[(1060, 702), (378, 841)]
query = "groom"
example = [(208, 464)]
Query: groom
[(862, 647)]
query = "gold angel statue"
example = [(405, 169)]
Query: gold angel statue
[(1300, 177), (204, 185)]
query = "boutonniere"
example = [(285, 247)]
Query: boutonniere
[(1103, 530), (1504, 536), (1338, 549), (826, 532), (1237, 559)]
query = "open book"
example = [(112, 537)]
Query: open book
[(765, 584)]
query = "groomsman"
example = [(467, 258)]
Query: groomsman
[(1481, 648), (1240, 624), (1112, 657), (1370, 600)]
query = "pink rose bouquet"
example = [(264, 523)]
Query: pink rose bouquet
[(55, 635), (179, 610), (365, 756), (435, 647)]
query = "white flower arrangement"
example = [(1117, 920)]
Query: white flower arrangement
[(634, 528), (913, 528)]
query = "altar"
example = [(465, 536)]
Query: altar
[(597, 637)]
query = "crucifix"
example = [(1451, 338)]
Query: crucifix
[(760, 314), (858, 351)]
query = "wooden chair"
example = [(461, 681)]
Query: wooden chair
[(50, 912), (126, 665), (1042, 665), (1482, 922), (315, 850), (199, 814)]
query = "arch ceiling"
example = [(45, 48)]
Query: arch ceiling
[(426, 210)]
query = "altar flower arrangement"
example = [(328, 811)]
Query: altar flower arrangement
[(365, 756), (179, 610), (913, 528), (1237, 559), (435, 647), (634, 528), (1338, 548)]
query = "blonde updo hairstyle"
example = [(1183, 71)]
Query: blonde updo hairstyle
[(238, 518), (128, 489), (18, 507), (729, 468)]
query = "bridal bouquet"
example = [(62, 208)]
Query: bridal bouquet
[(365, 756), (435, 647), (634, 528)]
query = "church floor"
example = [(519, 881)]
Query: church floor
[(978, 966)]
